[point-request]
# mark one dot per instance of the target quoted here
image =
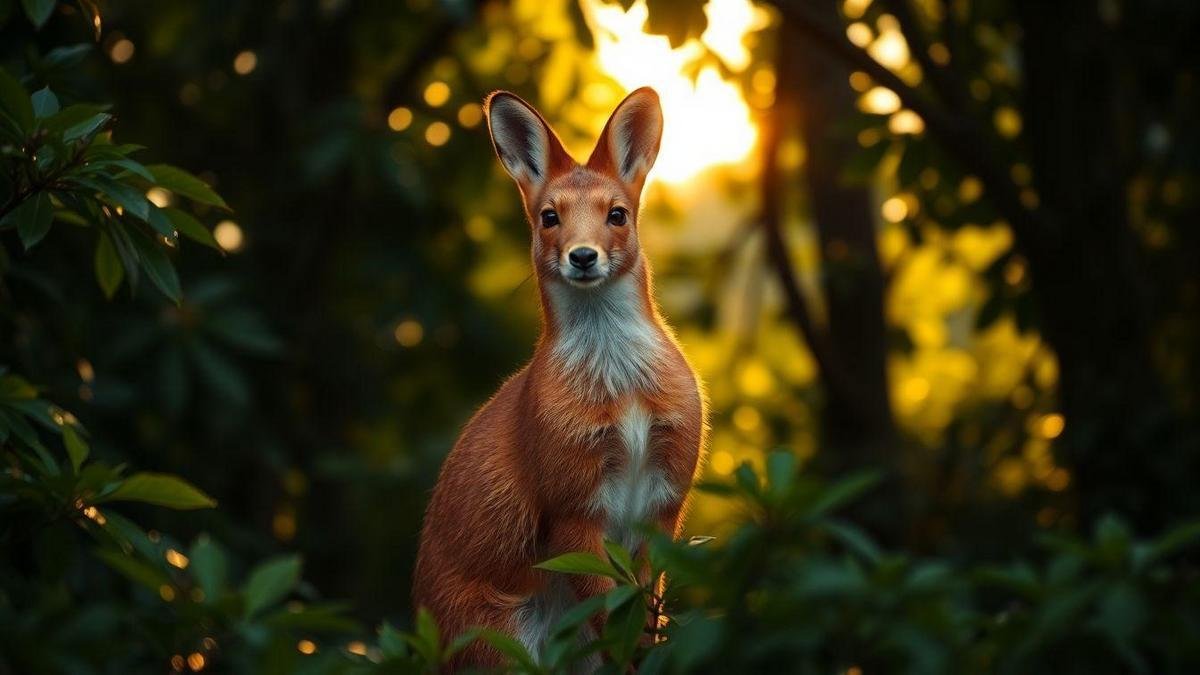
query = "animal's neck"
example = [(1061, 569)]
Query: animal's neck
[(605, 342)]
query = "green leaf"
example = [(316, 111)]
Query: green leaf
[(621, 559), (572, 619), (191, 228), (161, 489), (781, 469), (161, 224), (242, 329), (45, 103), (391, 642), (77, 449), (1121, 612), (16, 388), (624, 630), (40, 411), (580, 563), (425, 641), (109, 271), (92, 13), (746, 478), (459, 643), (121, 529), (695, 640), (86, 128), (328, 617), (183, 183), (854, 539), (15, 103), (843, 492), (271, 582), (127, 252), (32, 218), (219, 374), (1173, 540), (133, 166), (38, 11), (135, 569), (619, 596), (511, 648), (209, 567), (71, 116), (157, 265), (18, 426), (428, 634), (1112, 534), (120, 194), (67, 56)]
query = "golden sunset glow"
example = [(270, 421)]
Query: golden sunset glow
[(709, 107)]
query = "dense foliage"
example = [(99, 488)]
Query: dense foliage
[(232, 360)]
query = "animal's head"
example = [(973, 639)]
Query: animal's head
[(584, 217)]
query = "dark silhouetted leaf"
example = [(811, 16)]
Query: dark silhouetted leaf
[(580, 563), (38, 11), (109, 271), (161, 489), (183, 183), (45, 103), (270, 582), (15, 105), (77, 449), (209, 567), (191, 228), (32, 219), (157, 265)]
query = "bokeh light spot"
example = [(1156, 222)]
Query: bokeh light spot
[(245, 62), (437, 134), (879, 101), (409, 333), (229, 236), (470, 115), (400, 119), (437, 93), (894, 210), (121, 51)]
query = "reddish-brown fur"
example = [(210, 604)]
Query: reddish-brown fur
[(518, 486)]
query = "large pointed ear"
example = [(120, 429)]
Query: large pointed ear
[(524, 142), (629, 144)]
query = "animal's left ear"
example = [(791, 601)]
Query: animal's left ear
[(629, 144)]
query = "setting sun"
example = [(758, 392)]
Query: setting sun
[(708, 107)]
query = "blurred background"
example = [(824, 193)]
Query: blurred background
[(954, 241)]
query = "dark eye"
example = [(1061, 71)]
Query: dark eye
[(617, 216), (549, 218)]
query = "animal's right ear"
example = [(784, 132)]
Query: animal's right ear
[(524, 142)]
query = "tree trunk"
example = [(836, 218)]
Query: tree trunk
[(857, 419), (1121, 440)]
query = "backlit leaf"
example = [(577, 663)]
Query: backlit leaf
[(161, 489), (183, 183)]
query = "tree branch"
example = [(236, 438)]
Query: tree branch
[(795, 302), (435, 41), (962, 137), (949, 88)]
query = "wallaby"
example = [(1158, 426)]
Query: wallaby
[(601, 431)]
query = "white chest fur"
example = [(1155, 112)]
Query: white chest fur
[(606, 344), (635, 489)]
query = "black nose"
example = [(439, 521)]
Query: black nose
[(583, 257)]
